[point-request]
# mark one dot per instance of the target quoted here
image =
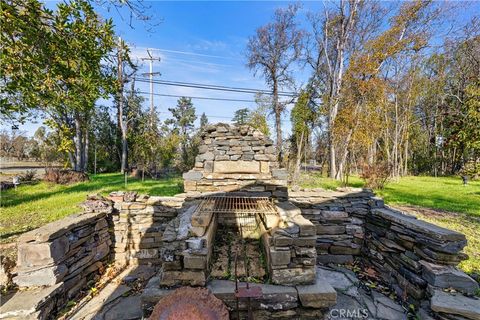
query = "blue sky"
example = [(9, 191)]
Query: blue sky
[(202, 42)]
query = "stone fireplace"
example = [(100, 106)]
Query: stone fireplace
[(239, 184), (300, 238)]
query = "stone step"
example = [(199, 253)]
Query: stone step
[(274, 297), (455, 304), (30, 304), (448, 277)]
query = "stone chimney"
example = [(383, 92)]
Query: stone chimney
[(236, 158)]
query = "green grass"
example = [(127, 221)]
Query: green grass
[(451, 205), (444, 193), (31, 206)]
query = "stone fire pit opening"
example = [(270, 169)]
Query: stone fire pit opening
[(238, 252)]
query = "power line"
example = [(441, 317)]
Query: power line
[(217, 117), (189, 53), (194, 97), (215, 87)]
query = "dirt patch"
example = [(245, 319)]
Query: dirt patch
[(228, 245)]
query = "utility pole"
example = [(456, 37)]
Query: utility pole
[(150, 59)]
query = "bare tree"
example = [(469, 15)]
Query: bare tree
[(125, 70), (333, 35), (272, 51)]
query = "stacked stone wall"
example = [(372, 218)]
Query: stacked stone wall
[(290, 247), (415, 257), (60, 258), (138, 226), (187, 248), (339, 219)]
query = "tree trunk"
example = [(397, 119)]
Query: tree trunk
[(296, 172), (278, 121), (124, 151), (71, 158), (78, 143), (332, 160), (121, 121), (86, 146)]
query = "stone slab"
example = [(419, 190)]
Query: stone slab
[(192, 175), (448, 277), (274, 297), (60, 227), (42, 277), (239, 166), (293, 276), (455, 304), (411, 222), (318, 295), (25, 304)]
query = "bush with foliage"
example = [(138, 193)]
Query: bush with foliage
[(376, 175), (28, 176)]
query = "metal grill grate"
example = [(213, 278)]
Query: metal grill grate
[(247, 211), (224, 204)]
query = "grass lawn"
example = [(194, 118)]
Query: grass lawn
[(31, 206), (451, 205)]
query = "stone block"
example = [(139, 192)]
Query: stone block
[(274, 297), (208, 166), (455, 304), (48, 276), (264, 167), (198, 231), (192, 175), (420, 226), (448, 277), (282, 241), (207, 156), (146, 254), (189, 185), (185, 277), (280, 174), (309, 241), (307, 228), (334, 258), (318, 295), (39, 254), (293, 276), (330, 229), (239, 166), (306, 252), (353, 249), (222, 158), (37, 303), (334, 215), (261, 157), (201, 218), (191, 261), (279, 257)]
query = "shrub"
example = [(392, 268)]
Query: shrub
[(376, 175), (28, 176), (64, 176), (471, 169)]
